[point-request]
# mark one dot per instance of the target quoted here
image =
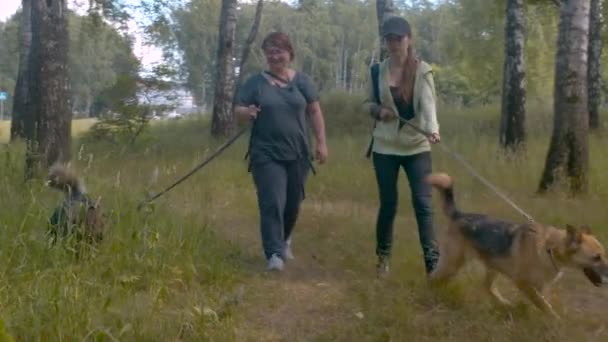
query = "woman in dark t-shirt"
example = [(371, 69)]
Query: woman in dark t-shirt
[(279, 155)]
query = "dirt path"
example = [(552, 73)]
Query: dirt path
[(303, 301), (315, 292)]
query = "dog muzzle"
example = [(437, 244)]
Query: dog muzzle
[(597, 276)]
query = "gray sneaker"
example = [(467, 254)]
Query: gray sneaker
[(288, 252), (275, 263), (382, 268)]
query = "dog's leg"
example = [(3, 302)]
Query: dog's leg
[(488, 284), (538, 299), (451, 258)]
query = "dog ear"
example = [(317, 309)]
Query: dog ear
[(573, 235)]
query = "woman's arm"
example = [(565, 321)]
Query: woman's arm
[(246, 102), (428, 105), (318, 123)]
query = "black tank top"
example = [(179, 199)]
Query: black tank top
[(406, 109)]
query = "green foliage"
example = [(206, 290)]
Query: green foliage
[(128, 107), (4, 336), (98, 53), (541, 40), (344, 114), (453, 87), (9, 48), (122, 127), (464, 39)]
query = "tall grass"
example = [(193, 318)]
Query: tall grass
[(189, 266)]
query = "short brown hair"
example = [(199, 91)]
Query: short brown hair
[(279, 40)]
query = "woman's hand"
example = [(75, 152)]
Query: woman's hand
[(248, 113), (386, 114), (252, 112), (318, 123), (321, 152), (434, 138)]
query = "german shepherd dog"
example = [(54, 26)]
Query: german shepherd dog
[(77, 216), (532, 255)]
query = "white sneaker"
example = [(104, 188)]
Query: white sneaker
[(288, 252), (382, 268), (275, 263)]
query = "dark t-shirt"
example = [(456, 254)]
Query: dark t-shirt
[(406, 109), (279, 132)]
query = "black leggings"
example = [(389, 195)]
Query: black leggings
[(416, 167)]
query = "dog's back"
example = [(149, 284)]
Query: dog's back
[(490, 237)]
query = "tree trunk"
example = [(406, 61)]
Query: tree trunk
[(204, 96), (222, 123), (21, 98), (594, 73), (88, 106), (339, 64), (384, 10), (48, 133), (247, 46), (513, 114), (345, 69), (354, 75), (569, 148)]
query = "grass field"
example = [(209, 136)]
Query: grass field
[(78, 127), (190, 267)]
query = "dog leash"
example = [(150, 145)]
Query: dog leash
[(198, 167), (471, 170), (484, 181)]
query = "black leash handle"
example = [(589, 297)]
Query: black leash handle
[(198, 167)]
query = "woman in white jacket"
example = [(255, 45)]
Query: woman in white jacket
[(402, 86)]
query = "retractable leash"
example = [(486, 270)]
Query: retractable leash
[(198, 167), (471, 170), (375, 71), (485, 182)]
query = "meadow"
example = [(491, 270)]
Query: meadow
[(189, 267)]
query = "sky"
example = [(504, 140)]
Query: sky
[(149, 55)]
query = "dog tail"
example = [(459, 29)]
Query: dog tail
[(64, 178), (445, 184)]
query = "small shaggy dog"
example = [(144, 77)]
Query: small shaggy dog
[(77, 216)]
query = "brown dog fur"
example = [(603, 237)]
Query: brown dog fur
[(530, 254)]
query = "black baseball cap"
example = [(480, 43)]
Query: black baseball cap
[(396, 25)]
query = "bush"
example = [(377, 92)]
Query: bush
[(344, 113)]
